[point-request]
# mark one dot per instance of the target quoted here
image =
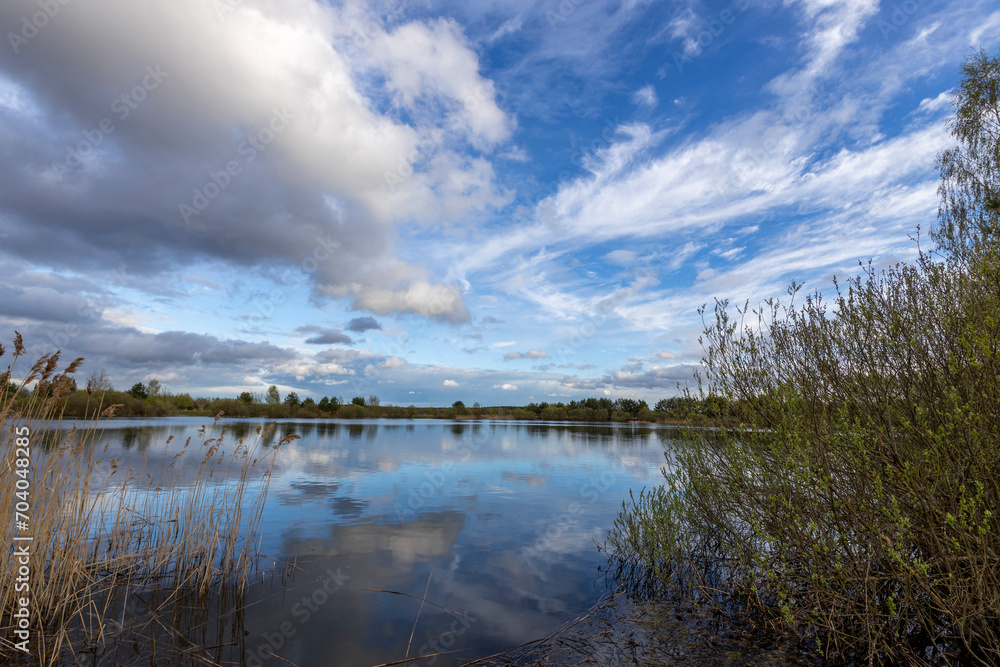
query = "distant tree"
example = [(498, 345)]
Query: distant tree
[(138, 390), (272, 397), (373, 401), (246, 397), (184, 402), (324, 404), (309, 403), (630, 405), (99, 382), (662, 405), (292, 399), (459, 405), (154, 388), (969, 209), (358, 400)]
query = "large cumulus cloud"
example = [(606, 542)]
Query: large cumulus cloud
[(286, 134)]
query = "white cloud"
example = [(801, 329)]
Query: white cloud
[(684, 26), (988, 27), (508, 27), (935, 104), (516, 154), (435, 61), (530, 354), (831, 26), (646, 96), (441, 302), (656, 377), (506, 386), (621, 257), (731, 253), (449, 383), (749, 166), (393, 362), (314, 197)]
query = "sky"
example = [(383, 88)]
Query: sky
[(496, 202)]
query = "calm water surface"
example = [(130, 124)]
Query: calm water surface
[(497, 521)]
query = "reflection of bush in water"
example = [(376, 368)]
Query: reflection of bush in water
[(241, 430)]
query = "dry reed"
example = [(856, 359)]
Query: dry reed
[(122, 553)]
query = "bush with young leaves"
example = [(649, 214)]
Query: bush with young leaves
[(857, 502)]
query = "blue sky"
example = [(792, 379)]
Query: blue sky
[(499, 201)]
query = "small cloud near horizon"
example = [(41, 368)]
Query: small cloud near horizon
[(530, 354)]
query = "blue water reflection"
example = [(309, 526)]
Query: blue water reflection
[(498, 521)]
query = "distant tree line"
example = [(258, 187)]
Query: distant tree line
[(152, 399)]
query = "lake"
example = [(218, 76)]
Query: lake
[(495, 523)]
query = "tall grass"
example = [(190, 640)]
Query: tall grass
[(123, 554)]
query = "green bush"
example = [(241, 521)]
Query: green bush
[(854, 500), (352, 411)]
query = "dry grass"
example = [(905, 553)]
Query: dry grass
[(143, 555)]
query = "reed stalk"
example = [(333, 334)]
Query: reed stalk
[(141, 555)]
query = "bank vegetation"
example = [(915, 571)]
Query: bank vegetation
[(855, 504)]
